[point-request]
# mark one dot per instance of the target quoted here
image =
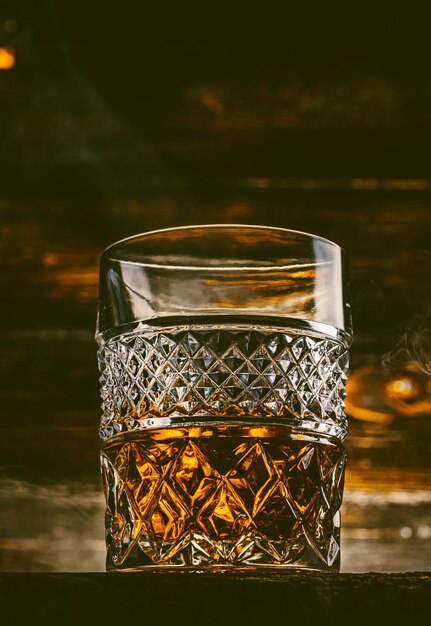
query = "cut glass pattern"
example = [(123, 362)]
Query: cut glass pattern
[(229, 371), (247, 496)]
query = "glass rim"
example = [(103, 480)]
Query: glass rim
[(215, 227)]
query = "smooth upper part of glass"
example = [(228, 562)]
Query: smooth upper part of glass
[(216, 270)]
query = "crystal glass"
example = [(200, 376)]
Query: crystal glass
[(223, 353)]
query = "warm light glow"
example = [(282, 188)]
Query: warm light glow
[(410, 396), (402, 388), (390, 183), (377, 396), (49, 259), (213, 103), (364, 397), (7, 58)]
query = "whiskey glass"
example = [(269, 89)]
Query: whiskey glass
[(223, 352)]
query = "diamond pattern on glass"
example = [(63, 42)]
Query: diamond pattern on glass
[(255, 496), (122, 521), (226, 371)]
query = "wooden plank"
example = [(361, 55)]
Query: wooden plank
[(306, 599)]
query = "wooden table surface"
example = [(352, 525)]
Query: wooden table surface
[(305, 599), (206, 130)]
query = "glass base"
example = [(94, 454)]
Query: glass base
[(248, 571)]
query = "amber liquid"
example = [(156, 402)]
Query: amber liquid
[(224, 496)]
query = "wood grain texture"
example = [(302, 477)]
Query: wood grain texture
[(305, 599)]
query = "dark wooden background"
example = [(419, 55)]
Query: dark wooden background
[(116, 120)]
